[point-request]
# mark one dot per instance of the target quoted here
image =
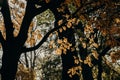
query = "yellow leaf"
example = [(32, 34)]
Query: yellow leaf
[(80, 68), (64, 51), (72, 49), (84, 45), (15, 33), (69, 24), (64, 28), (60, 30), (39, 36), (32, 41), (81, 39), (95, 45), (88, 61), (50, 46), (58, 51), (76, 61), (51, 42), (59, 41), (117, 20), (65, 40), (50, 35), (28, 40), (60, 22), (80, 60), (95, 54), (56, 33)]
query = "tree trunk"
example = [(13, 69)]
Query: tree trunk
[(67, 63), (67, 59), (9, 63), (86, 69), (87, 72), (100, 69)]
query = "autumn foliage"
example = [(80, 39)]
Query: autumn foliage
[(86, 30)]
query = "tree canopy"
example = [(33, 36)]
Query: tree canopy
[(85, 30)]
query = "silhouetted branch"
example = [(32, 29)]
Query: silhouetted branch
[(45, 6), (26, 60), (105, 50), (38, 2), (47, 35), (42, 41), (41, 9), (7, 19), (100, 67), (31, 12)]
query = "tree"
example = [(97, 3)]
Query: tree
[(12, 45), (93, 21), (92, 32)]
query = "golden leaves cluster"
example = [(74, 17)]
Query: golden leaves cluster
[(88, 29), (61, 9), (25, 73), (71, 22), (95, 54), (33, 37), (74, 71), (52, 44), (117, 20), (88, 61), (88, 42), (77, 60), (115, 56), (64, 45), (104, 32)]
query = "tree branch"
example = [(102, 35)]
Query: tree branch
[(7, 19), (32, 6), (41, 9), (105, 50), (54, 29), (45, 6), (31, 12), (24, 49)]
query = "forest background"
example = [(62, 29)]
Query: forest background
[(60, 40)]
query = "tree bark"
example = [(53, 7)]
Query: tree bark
[(86, 69), (67, 59), (67, 63), (87, 72), (100, 68), (9, 63)]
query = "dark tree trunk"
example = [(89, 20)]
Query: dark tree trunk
[(86, 69), (99, 63), (87, 72), (67, 63), (9, 63), (12, 45), (67, 59), (100, 70)]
